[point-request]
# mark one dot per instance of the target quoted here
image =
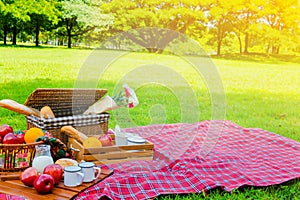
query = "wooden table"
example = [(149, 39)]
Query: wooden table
[(10, 184)]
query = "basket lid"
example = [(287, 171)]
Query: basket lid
[(64, 98)]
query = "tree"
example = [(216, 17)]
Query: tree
[(80, 17), (41, 13), (246, 16), (184, 16), (13, 15), (4, 25), (282, 18), (221, 17)]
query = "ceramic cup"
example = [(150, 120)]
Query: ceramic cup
[(73, 176), (89, 170), (121, 140)]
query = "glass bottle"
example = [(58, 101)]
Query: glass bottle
[(42, 157)]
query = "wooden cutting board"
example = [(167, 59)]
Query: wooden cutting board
[(10, 184)]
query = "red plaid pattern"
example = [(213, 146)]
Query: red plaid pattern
[(190, 158), (11, 197)]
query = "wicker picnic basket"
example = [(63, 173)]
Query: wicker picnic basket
[(16, 157), (67, 106)]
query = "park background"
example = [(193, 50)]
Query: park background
[(236, 26), (254, 45)]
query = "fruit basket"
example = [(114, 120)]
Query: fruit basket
[(67, 106), (16, 157)]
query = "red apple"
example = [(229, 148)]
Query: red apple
[(28, 176), (4, 129), (54, 170), (20, 137), (43, 183), (10, 138), (105, 140)]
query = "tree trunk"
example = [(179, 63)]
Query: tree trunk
[(14, 40), (37, 32), (274, 49), (240, 43), (246, 43), (69, 39), (69, 31), (219, 39), (219, 43), (5, 31), (219, 48), (268, 49)]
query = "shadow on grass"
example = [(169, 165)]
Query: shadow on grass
[(249, 57), (260, 57), (32, 46)]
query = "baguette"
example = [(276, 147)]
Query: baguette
[(74, 133), (19, 108), (46, 112)]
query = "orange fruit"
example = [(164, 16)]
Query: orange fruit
[(32, 134)]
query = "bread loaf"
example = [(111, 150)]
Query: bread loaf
[(19, 108), (92, 142), (46, 112), (70, 131), (65, 162)]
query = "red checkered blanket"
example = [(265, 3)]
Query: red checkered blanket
[(10, 197), (190, 158)]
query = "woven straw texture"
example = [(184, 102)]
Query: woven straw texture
[(16, 157)]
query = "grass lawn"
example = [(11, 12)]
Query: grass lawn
[(261, 92)]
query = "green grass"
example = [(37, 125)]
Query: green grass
[(289, 190), (261, 91)]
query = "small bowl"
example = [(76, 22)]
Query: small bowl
[(135, 140)]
